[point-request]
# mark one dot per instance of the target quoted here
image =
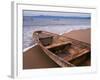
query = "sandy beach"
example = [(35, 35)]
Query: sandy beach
[(81, 35), (69, 24), (36, 58)]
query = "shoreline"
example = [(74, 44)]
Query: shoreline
[(78, 34)]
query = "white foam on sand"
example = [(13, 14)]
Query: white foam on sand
[(29, 47), (61, 29)]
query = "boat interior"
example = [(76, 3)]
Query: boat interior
[(73, 51)]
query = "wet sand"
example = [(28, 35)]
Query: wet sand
[(81, 35), (36, 58)]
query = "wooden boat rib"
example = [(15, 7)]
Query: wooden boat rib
[(66, 52)]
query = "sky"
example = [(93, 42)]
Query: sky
[(46, 13)]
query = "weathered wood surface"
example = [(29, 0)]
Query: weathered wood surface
[(57, 59), (77, 50)]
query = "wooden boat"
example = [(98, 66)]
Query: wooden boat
[(64, 51)]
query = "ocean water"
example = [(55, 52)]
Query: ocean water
[(58, 26)]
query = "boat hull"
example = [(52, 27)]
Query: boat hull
[(75, 54)]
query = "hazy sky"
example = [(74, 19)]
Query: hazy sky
[(67, 14)]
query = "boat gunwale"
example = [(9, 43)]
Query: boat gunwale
[(54, 55)]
